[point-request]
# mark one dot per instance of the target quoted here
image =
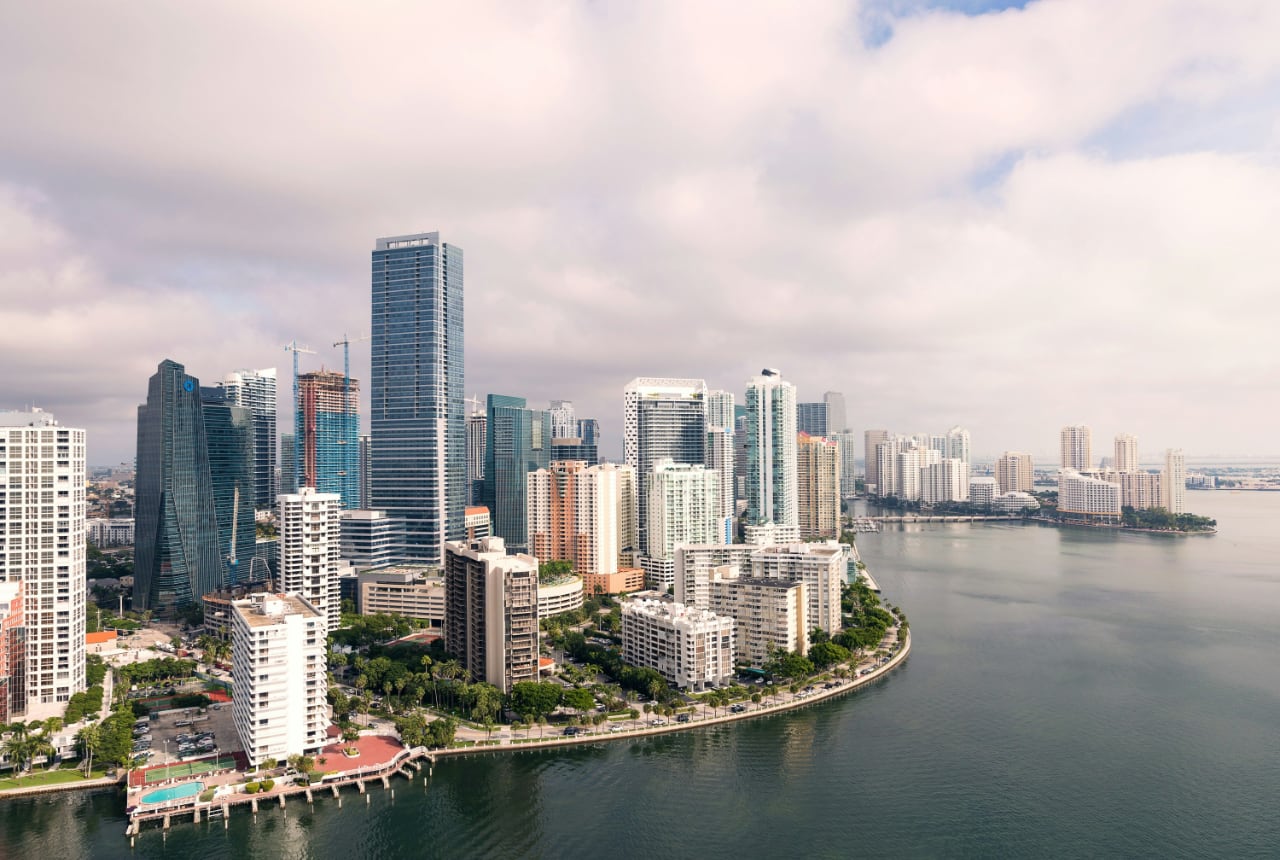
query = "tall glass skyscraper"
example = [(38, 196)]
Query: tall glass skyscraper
[(256, 390), (230, 433), (811, 418), (418, 425), (518, 442), (177, 560)]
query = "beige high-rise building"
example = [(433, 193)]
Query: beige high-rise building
[(1173, 483), (1015, 472), (1126, 453), (770, 613), (1076, 448), (818, 474), (691, 648), (1138, 490), (582, 514), (310, 550), (491, 611)]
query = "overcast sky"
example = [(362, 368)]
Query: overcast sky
[(1006, 218)]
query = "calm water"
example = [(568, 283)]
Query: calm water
[(1069, 693)]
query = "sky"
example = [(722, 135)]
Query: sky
[(1008, 216)]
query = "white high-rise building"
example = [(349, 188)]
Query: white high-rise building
[(694, 564), (279, 670), (772, 481), (42, 545), (1173, 483), (720, 453), (983, 491), (957, 445), (477, 424), (664, 419), (871, 442), (848, 462), (944, 481), (684, 508), (581, 514), (256, 390), (1087, 496), (1126, 453), (1076, 448), (310, 550), (690, 648), (564, 424), (1015, 472), (886, 464), (907, 471)]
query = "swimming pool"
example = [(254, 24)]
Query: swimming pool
[(174, 792)]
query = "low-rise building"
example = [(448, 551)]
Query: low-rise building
[(691, 648), (560, 595), (110, 532), (13, 652), (625, 579), (371, 539), (983, 491), (414, 591), (769, 613), (278, 668), (1015, 503)]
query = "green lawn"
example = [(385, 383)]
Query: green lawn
[(52, 777)]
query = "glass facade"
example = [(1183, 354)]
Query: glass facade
[(256, 390), (288, 464), (518, 442), (176, 529), (229, 432), (668, 427), (811, 418), (327, 421), (418, 425)]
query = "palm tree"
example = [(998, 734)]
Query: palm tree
[(88, 739), (42, 746), (18, 748)]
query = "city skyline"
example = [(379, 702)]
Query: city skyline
[(907, 189)]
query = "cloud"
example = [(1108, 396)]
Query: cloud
[(964, 220)]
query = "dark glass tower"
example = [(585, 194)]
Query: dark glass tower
[(518, 442), (230, 433), (176, 531), (418, 425)]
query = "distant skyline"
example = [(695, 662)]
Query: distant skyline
[(1005, 216)]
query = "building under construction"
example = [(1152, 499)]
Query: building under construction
[(328, 435)]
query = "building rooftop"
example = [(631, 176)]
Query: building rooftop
[(265, 610)]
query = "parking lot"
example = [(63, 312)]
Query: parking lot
[(165, 730)]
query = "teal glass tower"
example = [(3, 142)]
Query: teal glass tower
[(518, 441), (417, 430), (176, 557), (230, 433)]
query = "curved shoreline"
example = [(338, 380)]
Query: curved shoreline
[(762, 710)]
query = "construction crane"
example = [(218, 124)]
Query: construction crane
[(475, 405), (349, 415), (294, 347)]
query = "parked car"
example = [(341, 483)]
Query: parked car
[(570, 731), (683, 718)]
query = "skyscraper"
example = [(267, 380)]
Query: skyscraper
[(957, 445), (230, 434), (288, 463), (771, 450), (848, 462), (663, 419), (1126, 453), (811, 418), (42, 519), (519, 442), (837, 417), (563, 423), (176, 555), (366, 457), (418, 413), (491, 611), (818, 479), (1173, 482), (328, 434), (477, 424), (588, 431), (871, 463), (582, 514), (256, 390), (720, 454), (1076, 448)]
